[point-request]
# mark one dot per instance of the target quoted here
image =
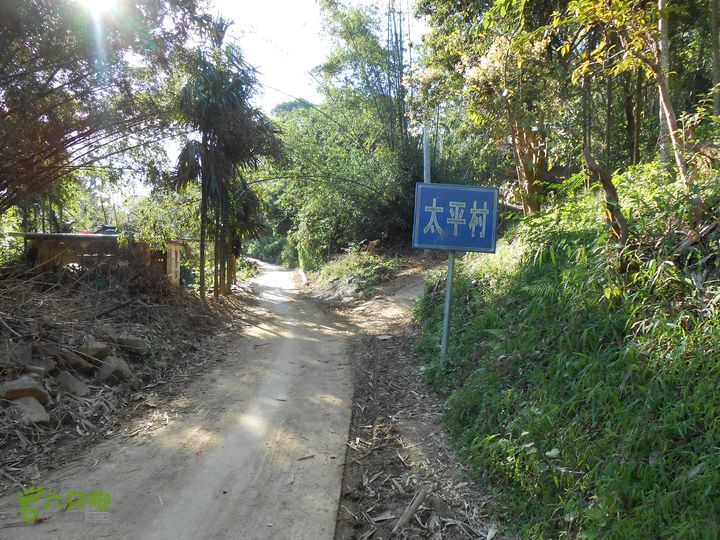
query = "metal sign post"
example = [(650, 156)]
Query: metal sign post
[(455, 218), (448, 301), (426, 155), (426, 161)]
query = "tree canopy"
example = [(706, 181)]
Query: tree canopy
[(76, 87)]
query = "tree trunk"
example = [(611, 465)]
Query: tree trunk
[(608, 122), (587, 119), (203, 232), (678, 149), (216, 256), (666, 107), (587, 108), (224, 248), (617, 220), (42, 213), (223, 263), (629, 107), (231, 268), (530, 162), (638, 116), (633, 92), (522, 174), (715, 38), (664, 53)]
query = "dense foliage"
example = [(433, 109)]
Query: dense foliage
[(89, 97), (583, 380), (215, 102), (340, 185), (77, 87), (352, 160), (584, 360), (544, 80), (359, 271)]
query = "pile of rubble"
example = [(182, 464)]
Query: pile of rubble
[(76, 348), (42, 373)]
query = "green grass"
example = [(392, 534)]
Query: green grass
[(584, 384), (359, 269)]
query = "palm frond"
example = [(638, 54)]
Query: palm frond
[(189, 165)]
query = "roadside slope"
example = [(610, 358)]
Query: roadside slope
[(398, 446)]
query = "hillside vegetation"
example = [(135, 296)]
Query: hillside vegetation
[(583, 378), (357, 272)]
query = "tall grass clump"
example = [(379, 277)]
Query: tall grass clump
[(584, 377)]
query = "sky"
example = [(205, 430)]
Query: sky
[(284, 40)]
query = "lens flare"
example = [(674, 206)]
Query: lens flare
[(99, 7)]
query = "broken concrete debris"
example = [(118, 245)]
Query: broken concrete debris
[(57, 332), (94, 348), (132, 344), (45, 363), (40, 364), (32, 410), (21, 353), (24, 387), (68, 357), (71, 384), (115, 370), (106, 332)]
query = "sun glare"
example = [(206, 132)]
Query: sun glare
[(99, 7)]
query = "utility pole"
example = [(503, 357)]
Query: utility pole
[(451, 256), (446, 309), (426, 154), (426, 162)]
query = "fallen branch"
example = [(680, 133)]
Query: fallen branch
[(114, 308), (6, 475), (411, 509), (6, 325), (694, 238), (707, 150)]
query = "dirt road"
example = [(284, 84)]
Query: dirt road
[(256, 453)]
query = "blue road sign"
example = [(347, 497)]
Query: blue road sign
[(455, 217)]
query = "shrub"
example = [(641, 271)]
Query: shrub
[(361, 269), (275, 250)]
